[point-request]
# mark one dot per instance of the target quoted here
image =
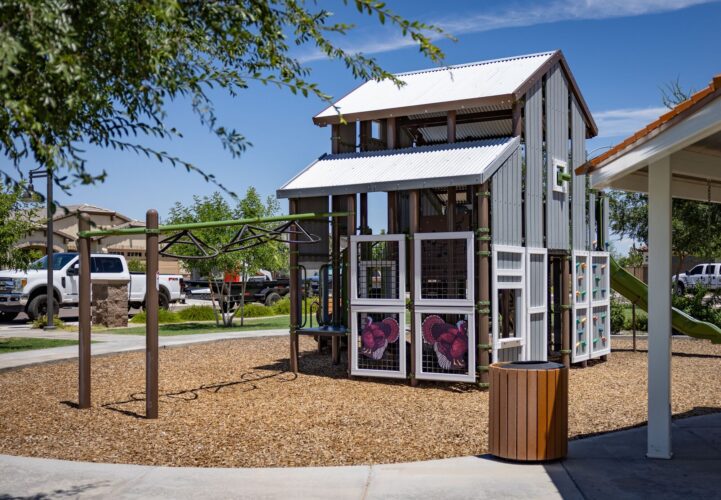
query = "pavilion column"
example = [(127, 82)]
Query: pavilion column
[(659, 309)]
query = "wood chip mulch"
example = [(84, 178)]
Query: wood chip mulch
[(234, 404)]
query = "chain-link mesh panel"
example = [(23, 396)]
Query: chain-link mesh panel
[(378, 270), (444, 269), (445, 343)]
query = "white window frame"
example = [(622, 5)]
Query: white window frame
[(532, 310), (355, 371), (401, 299), (563, 187), (462, 235), (519, 340), (584, 305), (470, 375)]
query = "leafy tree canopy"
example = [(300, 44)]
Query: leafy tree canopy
[(17, 221), (101, 72)]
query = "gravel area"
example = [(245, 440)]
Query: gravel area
[(233, 404)]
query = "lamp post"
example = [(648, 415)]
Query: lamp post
[(39, 173)]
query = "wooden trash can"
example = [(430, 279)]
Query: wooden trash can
[(528, 418)]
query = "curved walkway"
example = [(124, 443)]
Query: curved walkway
[(606, 466)]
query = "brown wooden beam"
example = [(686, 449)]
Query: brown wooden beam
[(351, 230), (566, 311), (391, 133), (363, 213), (517, 119), (295, 294), (392, 212), (151, 315), (483, 286), (84, 314)]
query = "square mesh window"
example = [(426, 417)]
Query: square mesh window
[(444, 269), (445, 345), (379, 341), (378, 270)]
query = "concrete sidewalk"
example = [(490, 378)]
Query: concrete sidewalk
[(608, 466), (107, 343)]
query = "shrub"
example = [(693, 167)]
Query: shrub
[(255, 310), (197, 313), (282, 306), (42, 322), (698, 306), (163, 317), (618, 318), (136, 265), (641, 321)]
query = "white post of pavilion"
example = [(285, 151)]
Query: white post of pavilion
[(659, 309)]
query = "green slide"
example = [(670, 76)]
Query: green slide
[(636, 291)]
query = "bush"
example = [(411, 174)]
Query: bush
[(255, 310), (196, 313), (42, 322), (641, 321), (618, 318), (163, 317), (698, 306), (282, 306)]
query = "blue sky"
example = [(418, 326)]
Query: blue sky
[(620, 51)]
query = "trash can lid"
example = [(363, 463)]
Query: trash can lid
[(530, 365)]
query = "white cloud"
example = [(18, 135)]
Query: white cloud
[(623, 122), (521, 15)]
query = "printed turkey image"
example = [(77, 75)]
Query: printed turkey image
[(376, 336), (449, 341)]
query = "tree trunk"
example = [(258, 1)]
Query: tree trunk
[(212, 301), (244, 275)]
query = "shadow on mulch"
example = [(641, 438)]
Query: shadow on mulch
[(677, 354)]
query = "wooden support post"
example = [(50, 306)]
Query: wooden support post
[(337, 312), (392, 212), (566, 311), (633, 324), (364, 229), (414, 207), (451, 126), (295, 295), (151, 314), (351, 230), (335, 139), (483, 284), (517, 119), (451, 227), (84, 316), (391, 133)]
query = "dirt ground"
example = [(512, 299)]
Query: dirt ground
[(234, 404)]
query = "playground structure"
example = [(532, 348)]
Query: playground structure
[(495, 250)]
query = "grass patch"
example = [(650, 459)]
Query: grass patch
[(190, 328), (15, 344)]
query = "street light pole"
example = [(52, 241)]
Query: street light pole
[(50, 288)]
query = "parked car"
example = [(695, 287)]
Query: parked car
[(708, 275), (26, 291)]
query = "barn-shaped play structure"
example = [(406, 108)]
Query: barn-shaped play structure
[(494, 251)]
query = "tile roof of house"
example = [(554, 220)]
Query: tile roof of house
[(666, 120)]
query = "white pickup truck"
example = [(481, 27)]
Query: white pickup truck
[(706, 275), (26, 291)]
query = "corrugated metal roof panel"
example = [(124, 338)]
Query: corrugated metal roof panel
[(448, 84), (411, 168), (474, 130)]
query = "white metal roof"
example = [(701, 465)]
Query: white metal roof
[(499, 77), (410, 168)]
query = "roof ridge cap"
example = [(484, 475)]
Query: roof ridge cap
[(476, 63)]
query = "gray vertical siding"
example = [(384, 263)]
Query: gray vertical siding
[(537, 350), (578, 154), (536, 285), (557, 206), (509, 354), (506, 205), (533, 134)]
